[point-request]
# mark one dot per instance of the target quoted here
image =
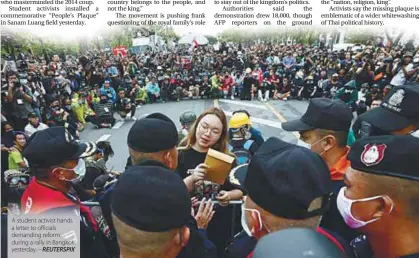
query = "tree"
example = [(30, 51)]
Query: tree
[(211, 39), (361, 36), (39, 47), (394, 40)]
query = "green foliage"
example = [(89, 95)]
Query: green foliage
[(211, 39), (302, 35), (361, 36), (25, 42)]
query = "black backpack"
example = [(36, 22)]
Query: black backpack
[(242, 153)]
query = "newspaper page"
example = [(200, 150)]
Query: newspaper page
[(76, 63)]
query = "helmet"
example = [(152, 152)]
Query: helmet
[(187, 117), (239, 120)]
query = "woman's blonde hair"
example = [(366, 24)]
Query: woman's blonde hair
[(221, 145)]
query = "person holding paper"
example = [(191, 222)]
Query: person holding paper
[(209, 134)]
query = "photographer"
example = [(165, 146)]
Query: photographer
[(383, 75), (57, 116), (404, 70), (124, 106), (415, 77), (21, 99), (38, 93), (364, 74)]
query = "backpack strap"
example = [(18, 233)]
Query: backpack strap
[(248, 144), (230, 147)]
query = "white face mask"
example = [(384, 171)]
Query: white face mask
[(415, 133), (79, 169), (244, 220), (303, 144), (344, 206)]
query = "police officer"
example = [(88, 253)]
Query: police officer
[(152, 141), (186, 121), (151, 224), (381, 193), (296, 243), (324, 129), (56, 161), (288, 186), (398, 113)]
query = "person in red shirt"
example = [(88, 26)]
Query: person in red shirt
[(179, 85), (228, 86), (274, 79), (56, 161)]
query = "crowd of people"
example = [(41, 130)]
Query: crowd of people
[(351, 185)]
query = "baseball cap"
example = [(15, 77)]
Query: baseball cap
[(153, 133), (388, 155), (296, 243), (398, 110), (408, 54), (187, 117), (322, 113), (284, 179), (53, 146), (136, 201), (32, 115)]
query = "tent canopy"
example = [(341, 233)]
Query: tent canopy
[(189, 38)]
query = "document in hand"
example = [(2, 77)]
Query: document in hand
[(219, 166)]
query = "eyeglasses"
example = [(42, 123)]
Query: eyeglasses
[(205, 128)]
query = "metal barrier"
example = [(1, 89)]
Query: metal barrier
[(215, 202), (233, 215)]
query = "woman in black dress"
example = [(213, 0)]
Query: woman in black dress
[(210, 132)]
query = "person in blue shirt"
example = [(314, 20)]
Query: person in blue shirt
[(110, 70), (289, 61), (153, 90), (108, 91)]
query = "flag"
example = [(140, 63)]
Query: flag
[(194, 42)]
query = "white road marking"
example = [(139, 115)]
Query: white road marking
[(241, 103), (260, 121), (103, 138), (118, 124)]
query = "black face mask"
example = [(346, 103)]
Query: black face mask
[(55, 108), (103, 101)]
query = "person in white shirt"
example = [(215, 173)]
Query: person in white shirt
[(403, 72), (34, 125)]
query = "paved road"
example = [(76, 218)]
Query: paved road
[(265, 116)]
